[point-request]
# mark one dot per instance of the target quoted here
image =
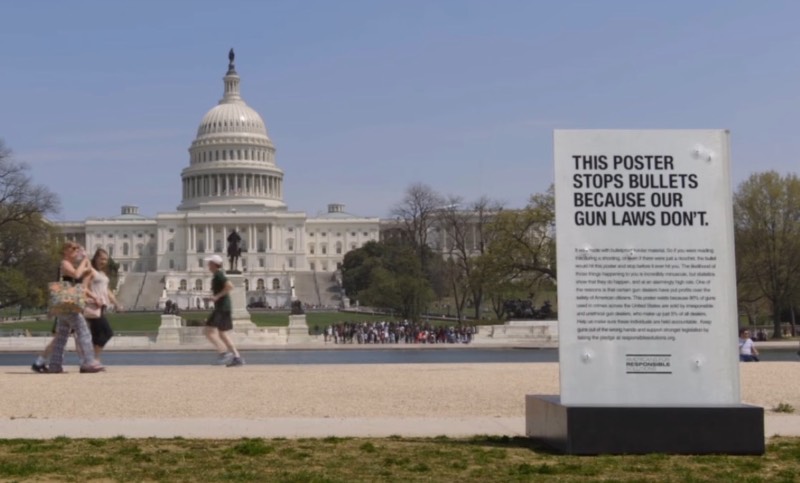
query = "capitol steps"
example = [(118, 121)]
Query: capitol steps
[(151, 291), (129, 290), (141, 291), (318, 289), (305, 288), (329, 293)]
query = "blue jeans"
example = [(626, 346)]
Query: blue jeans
[(83, 340), (746, 358)]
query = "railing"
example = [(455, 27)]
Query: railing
[(316, 287)]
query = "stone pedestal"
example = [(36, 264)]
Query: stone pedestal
[(169, 332), (298, 330), (593, 430), (241, 317)]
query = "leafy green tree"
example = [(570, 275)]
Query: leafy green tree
[(387, 275), (500, 285), (28, 261), (358, 265), (767, 230), (521, 255), (523, 244)]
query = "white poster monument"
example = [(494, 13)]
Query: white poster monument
[(646, 278), (648, 349)]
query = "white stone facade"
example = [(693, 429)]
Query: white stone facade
[(232, 182)]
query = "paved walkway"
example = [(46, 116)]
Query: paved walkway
[(217, 428)]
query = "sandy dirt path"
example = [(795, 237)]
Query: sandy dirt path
[(330, 391)]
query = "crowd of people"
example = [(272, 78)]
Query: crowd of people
[(386, 332)]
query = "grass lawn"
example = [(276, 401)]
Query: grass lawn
[(13, 312), (480, 459), (149, 321), (281, 319)]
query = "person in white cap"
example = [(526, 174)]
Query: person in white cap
[(220, 321)]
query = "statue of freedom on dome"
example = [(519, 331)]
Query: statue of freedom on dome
[(231, 56)]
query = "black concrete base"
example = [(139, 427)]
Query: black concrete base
[(582, 430)]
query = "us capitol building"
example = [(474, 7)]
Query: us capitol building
[(232, 182)]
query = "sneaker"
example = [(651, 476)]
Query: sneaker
[(39, 368), (92, 369), (224, 359), (236, 362)]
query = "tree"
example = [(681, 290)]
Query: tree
[(458, 285), (750, 298), (357, 268), (28, 258), (416, 214), (416, 218), (767, 233), (500, 285), (524, 240), (113, 273), (521, 256), (20, 199), (387, 275), (467, 233), (28, 261)]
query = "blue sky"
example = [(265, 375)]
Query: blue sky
[(362, 98)]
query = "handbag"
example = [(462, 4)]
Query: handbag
[(65, 298), (92, 311)]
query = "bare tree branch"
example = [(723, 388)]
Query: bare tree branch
[(416, 215), (20, 199)]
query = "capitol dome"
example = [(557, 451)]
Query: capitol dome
[(232, 159), (231, 117)]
